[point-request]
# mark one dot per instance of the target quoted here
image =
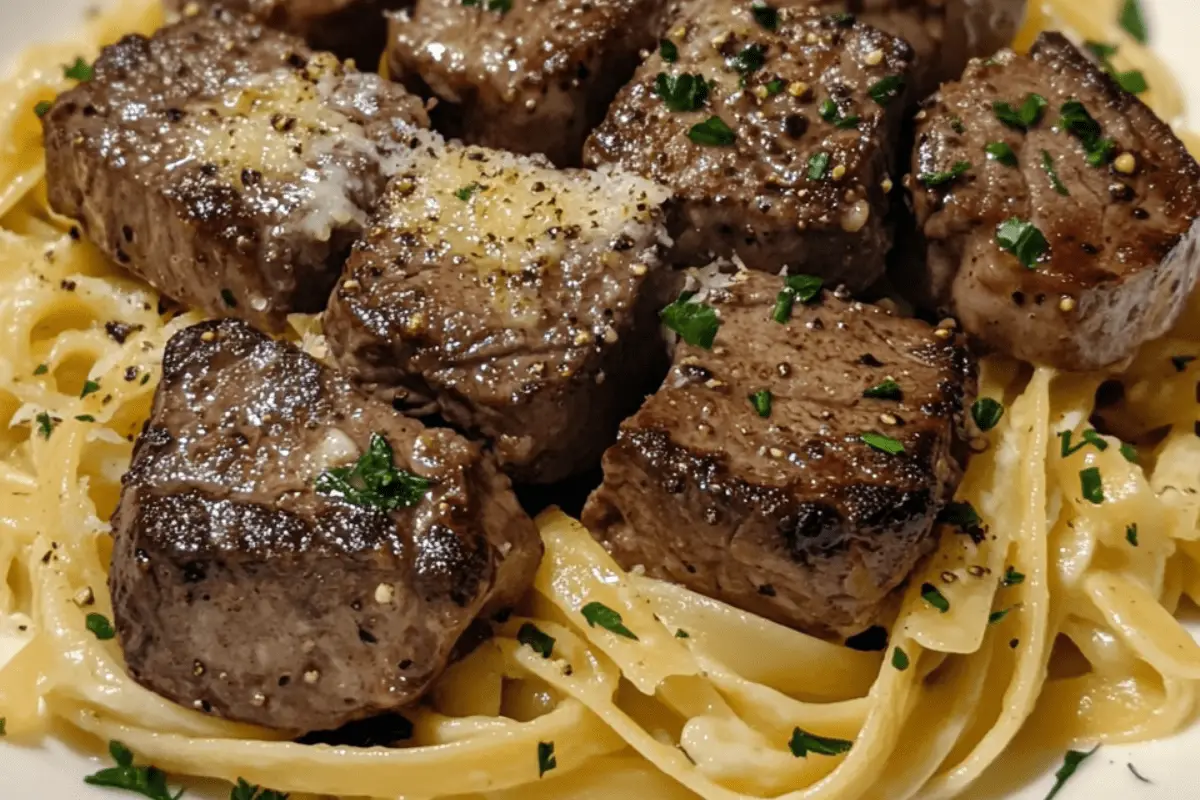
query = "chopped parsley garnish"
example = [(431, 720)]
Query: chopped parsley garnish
[(1091, 485), (99, 625), (775, 86), (1089, 437), (884, 444), (932, 595), (85, 418), (1181, 362), (749, 60), (668, 51), (533, 636), (987, 413), (818, 165), (963, 516), (145, 379), (1023, 240), (997, 616), (765, 15), (149, 782), (803, 743), (1071, 762), (761, 400), (467, 191), (374, 481), (546, 760), (605, 617), (886, 89), (1133, 21), (900, 659), (43, 108), (41, 369), (79, 71), (696, 323), (1012, 577), (1132, 81), (503, 6), (1129, 452), (45, 424), (956, 124), (804, 288), (843, 18), (939, 178), (1081, 124), (686, 92), (247, 791), (783, 307), (713, 131), (1025, 117), (1131, 532), (89, 387), (1000, 151), (228, 298), (887, 390), (3, 722), (1052, 173), (680, 633), (830, 112)]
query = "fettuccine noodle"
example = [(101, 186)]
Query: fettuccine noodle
[(705, 701)]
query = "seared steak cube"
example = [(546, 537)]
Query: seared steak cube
[(517, 301), (532, 76), (293, 554), (791, 469), (775, 130), (1058, 214), (226, 163), (350, 28)]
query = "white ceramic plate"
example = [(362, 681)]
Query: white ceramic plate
[(54, 770)]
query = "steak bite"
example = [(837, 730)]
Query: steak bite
[(517, 301), (350, 28), (290, 553), (793, 470), (1057, 212), (226, 163), (529, 77)]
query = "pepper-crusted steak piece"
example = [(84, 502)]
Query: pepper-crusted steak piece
[(351, 28), (530, 76), (1079, 241), (785, 159), (226, 163), (249, 583), (518, 301), (780, 507)]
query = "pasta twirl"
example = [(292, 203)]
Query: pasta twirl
[(707, 701)]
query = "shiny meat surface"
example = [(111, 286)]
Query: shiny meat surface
[(517, 301), (795, 171), (225, 163), (350, 28), (245, 587), (1102, 196), (530, 76), (781, 508)]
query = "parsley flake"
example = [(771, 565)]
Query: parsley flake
[(830, 112), (503, 6), (3, 722), (900, 659), (43, 108), (1071, 763), (41, 369), (987, 413), (605, 617), (374, 481), (775, 86), (804, 288), (887, 390), (45, 424), (668, 50), (818, 165), (680, 633), (85, 418), (1025, 117), (939, 178), (1012, 577), (99, 625), (696, 323), (765, 15), (684, 92), (89, 387), (884, 444), (1129, 452), (962, 515), (147, 781), (749, 60), (1000, 151), (1076, 119), (79, 71), (1131, 533), (247, 791), (1133, 21), (997, 616), (1052, 173), (934, 597), (546, 759), (802, 743), (1181, 362), (713, 132), (761, 400), (1023, 240), (1091, 485), (1089, 437), (533, 636), (956, 124), (886, 89), (465, 193)]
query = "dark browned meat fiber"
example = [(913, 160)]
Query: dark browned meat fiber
[(1077, 242), (944, 34), (226, 163), (517, 301), (248, 583), (775, 132), (350, 28), (530, 76), (780, 507)]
